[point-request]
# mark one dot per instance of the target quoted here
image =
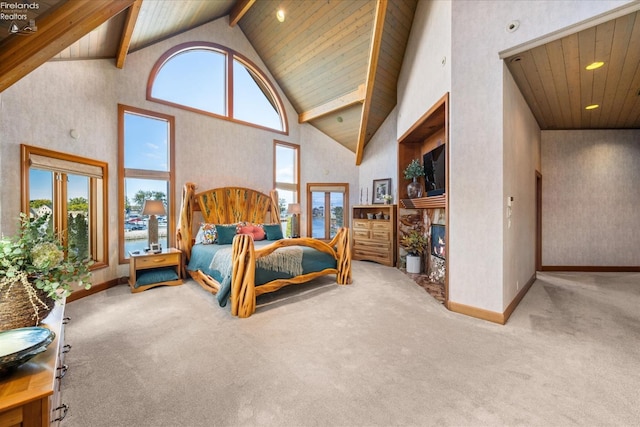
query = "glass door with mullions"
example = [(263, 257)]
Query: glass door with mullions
[(327, 209)]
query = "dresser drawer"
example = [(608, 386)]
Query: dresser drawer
[(361, 223), (360, 234), (160, 260), (372, 245), (381, 235), (381, 225), (381, 257)]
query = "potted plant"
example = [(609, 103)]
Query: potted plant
[(34, 273), (415, 244), (414, 171)]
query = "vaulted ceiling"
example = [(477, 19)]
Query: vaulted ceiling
[(337, 61)]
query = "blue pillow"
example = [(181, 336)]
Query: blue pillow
[(274, 231), (226, 233), (156, 275)]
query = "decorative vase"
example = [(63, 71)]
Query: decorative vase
[(414, 264), (414, 189), (17, 310)]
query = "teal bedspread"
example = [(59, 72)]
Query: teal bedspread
[(202, 255)]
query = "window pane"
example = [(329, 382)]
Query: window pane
[(136, 224), (195, 78), (78, 216), (40, 192), (285, 164), (337, 213), (252, 101), (318, 217), (146, 143)]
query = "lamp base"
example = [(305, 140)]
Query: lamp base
[(152, 231)]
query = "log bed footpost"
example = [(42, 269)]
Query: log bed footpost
[(343, 249), (243, 294)]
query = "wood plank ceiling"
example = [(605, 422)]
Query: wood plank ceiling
[(338, 61), (558, 87)]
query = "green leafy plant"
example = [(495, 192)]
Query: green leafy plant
[(414, 170), (415, 243), (35, 259)]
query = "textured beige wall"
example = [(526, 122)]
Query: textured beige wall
[(521, 160), (43, 107), (590, 198), (426, 70), (380, 160)]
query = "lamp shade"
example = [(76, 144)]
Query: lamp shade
[(153, 207), (294, 208)]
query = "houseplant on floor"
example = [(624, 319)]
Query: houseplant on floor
[(414, 171), (34, 273), (415, 244)]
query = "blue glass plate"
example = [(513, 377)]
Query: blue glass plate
[(19, 345)]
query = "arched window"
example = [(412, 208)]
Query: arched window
[(211, 79)]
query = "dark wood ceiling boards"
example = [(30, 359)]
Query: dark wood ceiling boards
[(557, 86)]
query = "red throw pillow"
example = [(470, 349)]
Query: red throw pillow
[(256, 232)]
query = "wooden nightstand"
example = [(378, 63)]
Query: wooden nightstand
[(147, 269)]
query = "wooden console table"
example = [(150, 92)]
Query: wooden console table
[(30, 396)]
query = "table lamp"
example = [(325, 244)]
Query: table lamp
[(152, 208), (294, 210)]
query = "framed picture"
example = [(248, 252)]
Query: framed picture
[(155, 248), (381, 188)]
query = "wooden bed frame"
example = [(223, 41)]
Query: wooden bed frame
[(230, 205)]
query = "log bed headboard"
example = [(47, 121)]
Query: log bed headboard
[(226, 205)]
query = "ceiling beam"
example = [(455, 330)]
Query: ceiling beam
[(20, 55), (241, 7), (127, 33), (357, 96), (374, 54)]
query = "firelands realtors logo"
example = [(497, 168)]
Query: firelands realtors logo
[(17, 14)]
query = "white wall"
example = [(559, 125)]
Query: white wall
[(521, 160), (424, 79), (590, 198), (42, 107), (380, 160)]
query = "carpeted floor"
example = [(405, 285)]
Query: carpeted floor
[(379, 352)]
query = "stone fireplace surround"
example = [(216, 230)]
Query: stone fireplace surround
[(433, 277)]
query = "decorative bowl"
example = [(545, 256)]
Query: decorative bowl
[(19, 345)]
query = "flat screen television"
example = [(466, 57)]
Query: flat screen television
[(435, 164)]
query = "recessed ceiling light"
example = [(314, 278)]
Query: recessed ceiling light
[(594, 65), (591, 107), (280, 15), (513, 26)]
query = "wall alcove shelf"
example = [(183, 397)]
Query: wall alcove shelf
[(426, 134), (433, 202)]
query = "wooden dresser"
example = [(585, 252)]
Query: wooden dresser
[(374, 239), (30, 396)]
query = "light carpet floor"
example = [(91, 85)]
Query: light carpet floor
[(380, 352)]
